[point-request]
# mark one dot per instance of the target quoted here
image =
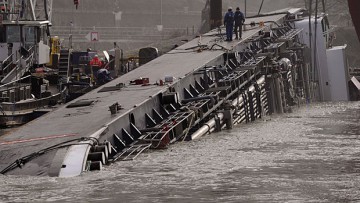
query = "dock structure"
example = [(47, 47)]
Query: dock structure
[(202, 86)]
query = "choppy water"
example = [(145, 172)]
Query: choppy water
[(312, 155)]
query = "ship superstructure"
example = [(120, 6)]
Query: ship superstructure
[(25, 31)]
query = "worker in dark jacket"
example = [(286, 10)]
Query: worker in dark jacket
[(239, 21), (229, 24), (103, 76)]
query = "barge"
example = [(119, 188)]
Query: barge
[(202, 86)]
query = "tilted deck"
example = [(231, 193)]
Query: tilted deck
[(95, 120)]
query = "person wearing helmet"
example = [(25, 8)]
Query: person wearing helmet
[(96, 61), (239, 21), (229, 24), (95, 65)]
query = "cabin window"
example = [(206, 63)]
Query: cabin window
[(12, 34), (2, 34), (30, 35), (45, 37), (38, 34)]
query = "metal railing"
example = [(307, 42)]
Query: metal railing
[(122, 32), (8, 61), (13, 71)]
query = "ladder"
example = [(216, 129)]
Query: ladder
[(129, 154), (64, 63)]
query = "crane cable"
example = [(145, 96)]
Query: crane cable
[(261, 7)]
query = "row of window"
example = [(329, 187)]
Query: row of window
[(32, 35)]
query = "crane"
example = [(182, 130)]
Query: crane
[(26, 10)]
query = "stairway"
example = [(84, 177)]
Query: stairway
[(16, 71), (64, 63)]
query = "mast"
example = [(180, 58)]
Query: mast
[(310, 40), (316, 68)]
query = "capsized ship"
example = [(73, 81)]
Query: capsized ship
[(202, 86)]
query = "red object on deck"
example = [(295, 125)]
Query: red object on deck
[(39, 70), (354, 8), (141, 81), (146, 81)]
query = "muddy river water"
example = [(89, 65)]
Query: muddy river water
[(310, 155)]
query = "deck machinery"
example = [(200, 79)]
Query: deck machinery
[(202, 86)]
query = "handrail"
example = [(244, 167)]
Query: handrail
[(28, 63), (9, 83), (8, 65), (8, 58)]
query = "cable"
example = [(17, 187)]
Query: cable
[(261, 7), (190, 126), (269, 14), (222, 47), (181, 52)]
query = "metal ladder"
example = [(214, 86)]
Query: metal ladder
[(178, 123), (131, 153), (164, 133), (64, 63)]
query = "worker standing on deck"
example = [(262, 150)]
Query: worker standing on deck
[(95, 65), (96, 61), (239, 21), (229, 24)]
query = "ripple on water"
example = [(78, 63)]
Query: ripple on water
[(311, 155)]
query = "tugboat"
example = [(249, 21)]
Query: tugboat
[(24, 50)]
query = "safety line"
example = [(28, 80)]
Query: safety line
[(37, 139)]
